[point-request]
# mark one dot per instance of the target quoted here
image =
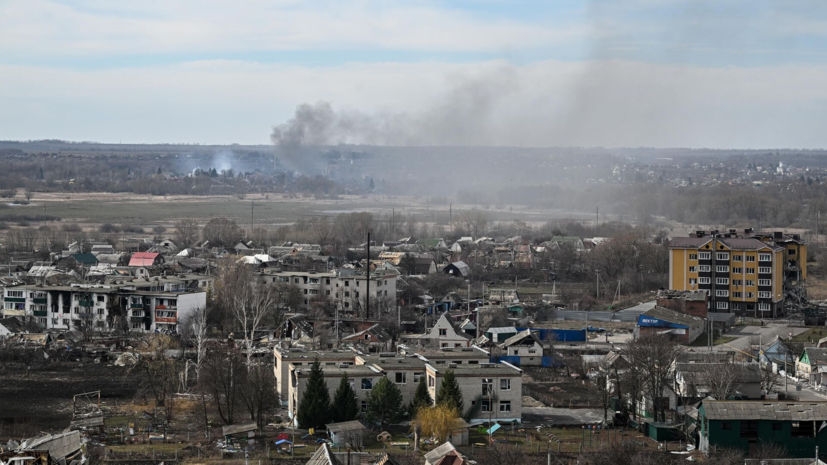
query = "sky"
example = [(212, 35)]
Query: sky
[(610, 73)]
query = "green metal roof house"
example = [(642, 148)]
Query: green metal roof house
[(799, 427)]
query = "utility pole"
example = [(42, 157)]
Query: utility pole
[(367, 282), (597, 284)]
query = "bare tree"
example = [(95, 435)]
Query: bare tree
[(602, 390), (721, 380), (187, 232), (769, 380), (247, 301), (653, 356), (259, 393), (223, 381), (194, 328)]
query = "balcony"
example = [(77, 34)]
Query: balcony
[(39, 300), (138, 306), (86, 303), (39, 313)]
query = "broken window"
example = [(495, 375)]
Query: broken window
[(367, 384)]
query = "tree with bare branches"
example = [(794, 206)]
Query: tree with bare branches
[(247, 301), (653, 356), (187, 232), (194, 328)]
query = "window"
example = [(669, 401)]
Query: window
[(764, 257), (737, 258), (693, 281), (486, 405), (737, 270), (776, 426), (764, 307), (417, 377), (401, 378), (505, 406), (431, 381), (693, 256), (764, 269), (100, 298), (722, 305), (296, 280), (750, 258), (347, 283), (750, 270), (704, 280), (765, 282), (722, 281), (704, 268), (750, 282), (750, 295), (722, 269), (692, 269), (443, 332), (721, 293), (505, 384), (722, 256), (704, 255), (791, 252), (14, 294), (764, 295), (737, 294), (487, 386), (367, 384), (54, 321), (364, 406), (314, 280), (737, 282)]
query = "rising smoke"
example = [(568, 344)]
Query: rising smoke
[(462, 116)]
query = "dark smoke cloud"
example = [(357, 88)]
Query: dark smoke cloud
[(462, 116)]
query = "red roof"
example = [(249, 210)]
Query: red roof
[(143, 259)]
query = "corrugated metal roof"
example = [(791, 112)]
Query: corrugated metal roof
[(763, 410)]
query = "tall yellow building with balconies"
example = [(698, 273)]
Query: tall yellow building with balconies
[(743, 273)]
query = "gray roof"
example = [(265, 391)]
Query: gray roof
[(337, 428), (764, 410), (816, 355), (235, 429), (746, 373), (519, 337), (672, 316)]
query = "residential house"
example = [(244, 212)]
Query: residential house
[(813, 360), (374, 339), (146, 259), (525, 348), (697, 380), (445, 454), (457, 269), (446, 334), (488, 389), (433, 244)]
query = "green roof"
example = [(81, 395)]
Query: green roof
[(85, 258)]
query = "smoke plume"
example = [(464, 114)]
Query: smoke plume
[(462, 116)]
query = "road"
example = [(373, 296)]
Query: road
[(766, 333)]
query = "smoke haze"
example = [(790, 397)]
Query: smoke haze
[(461, 116)]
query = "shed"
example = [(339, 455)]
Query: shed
[(244, 430), (460, 433), (347, 432), (663, 431), (457, 269)]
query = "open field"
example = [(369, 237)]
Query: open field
[(269, 209)]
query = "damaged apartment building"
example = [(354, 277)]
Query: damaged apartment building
[(743, 272), (158, 303)]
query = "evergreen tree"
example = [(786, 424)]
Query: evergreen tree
[(421, 397), (449, 392), (384, 402), (344, 406), (159, 170), (314, 409), (372, 185)]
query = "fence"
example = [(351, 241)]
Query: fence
[(625, 316)]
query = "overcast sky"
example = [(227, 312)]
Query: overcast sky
[(664, 73)]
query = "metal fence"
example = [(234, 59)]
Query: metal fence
[(626, 316)]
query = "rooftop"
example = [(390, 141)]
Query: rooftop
[(764, 410)]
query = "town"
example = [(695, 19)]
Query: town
[(544, 344)]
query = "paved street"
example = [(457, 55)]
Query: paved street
[(763, 333)]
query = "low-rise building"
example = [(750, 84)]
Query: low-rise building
[(682, 327), (746, 424)]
